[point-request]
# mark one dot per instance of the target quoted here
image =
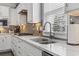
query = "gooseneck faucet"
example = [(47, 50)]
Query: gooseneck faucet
[(50, 28)]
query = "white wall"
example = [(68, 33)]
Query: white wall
[(52, 6)]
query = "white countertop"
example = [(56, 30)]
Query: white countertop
[(59, 48)]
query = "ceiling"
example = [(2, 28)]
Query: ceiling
[(12, 5)]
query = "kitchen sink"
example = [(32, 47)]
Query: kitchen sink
[(43, 40)]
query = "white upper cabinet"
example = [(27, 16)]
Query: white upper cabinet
[(36, 12), (22, 6), (72, 6), (52, 6), (4, 12), (33, 11), (13, 17), (30, 13), (25, 6)]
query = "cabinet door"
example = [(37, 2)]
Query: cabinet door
[(13, 45), (22, 48), (16, 47), (13, 17), (25, 49), (7, 42), (2, 43), (36, 12), (31, 50), (28, 7), (19, 47), (4, 14)]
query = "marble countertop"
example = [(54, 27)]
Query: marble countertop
[(60, 48)]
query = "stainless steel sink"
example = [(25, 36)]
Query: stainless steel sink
[(43, 40)]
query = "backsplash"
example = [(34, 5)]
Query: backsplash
[(61, 21), (4, 29)]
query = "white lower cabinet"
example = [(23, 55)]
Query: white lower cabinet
[(22, 48), (14, 46), (1, 43), (18, 46), (31, 50), (5, 42)]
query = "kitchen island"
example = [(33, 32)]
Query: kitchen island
[(25, 46), (60, 48)]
